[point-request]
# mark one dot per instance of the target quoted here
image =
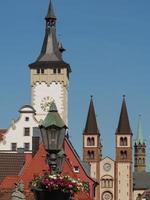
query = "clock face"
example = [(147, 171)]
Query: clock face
[(107, 196), (45, 103), (107, 167)]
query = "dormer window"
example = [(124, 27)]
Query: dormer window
[(76, 169)]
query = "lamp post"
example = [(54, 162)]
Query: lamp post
[(53, 131)]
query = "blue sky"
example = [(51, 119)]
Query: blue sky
[(108, 48)]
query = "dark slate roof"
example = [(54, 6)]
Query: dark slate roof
[(124, 125), (91, 123), (51, 52), (11, 164), (141, 180)]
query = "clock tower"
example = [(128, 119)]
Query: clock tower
[(50, 74)]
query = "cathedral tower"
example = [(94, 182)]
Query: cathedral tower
[(92, 148), (50, 74), (139, 150), (124, 156)]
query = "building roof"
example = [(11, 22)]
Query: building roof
[(141, 180), (11, 164), (124, 125), (91, 127), (51, 52)]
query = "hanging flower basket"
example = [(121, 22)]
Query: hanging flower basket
[(56, 187)]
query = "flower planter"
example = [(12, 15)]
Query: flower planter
[(51, 195)]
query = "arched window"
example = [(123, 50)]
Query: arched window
[(92, 141), (88, 141), (89, 154), (121, 141), (121, 155), (125, 154), (107, 183), (92, 154), (125, 141)]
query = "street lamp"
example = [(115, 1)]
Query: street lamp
[(53, 131)]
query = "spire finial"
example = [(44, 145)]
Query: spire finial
[(124, 96), (91, 96)]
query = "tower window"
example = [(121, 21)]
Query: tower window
[(42, 71), (26, 131), (123, 155), (38, 71), (90, 141), (91, 155), (13, 146), (26, 146), (59, 71), (123, 141), (54, 71)]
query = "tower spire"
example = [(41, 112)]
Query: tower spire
[(51, 51), (124, 125), (91, 122), (139, 139), (139, 150), (50, 12)]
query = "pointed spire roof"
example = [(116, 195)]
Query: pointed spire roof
[(139, 139), (91, 127), (53, 118), (50, 12), (51, 52), (124, 125)]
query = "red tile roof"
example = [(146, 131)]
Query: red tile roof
[(35, 166), (11, 164)]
